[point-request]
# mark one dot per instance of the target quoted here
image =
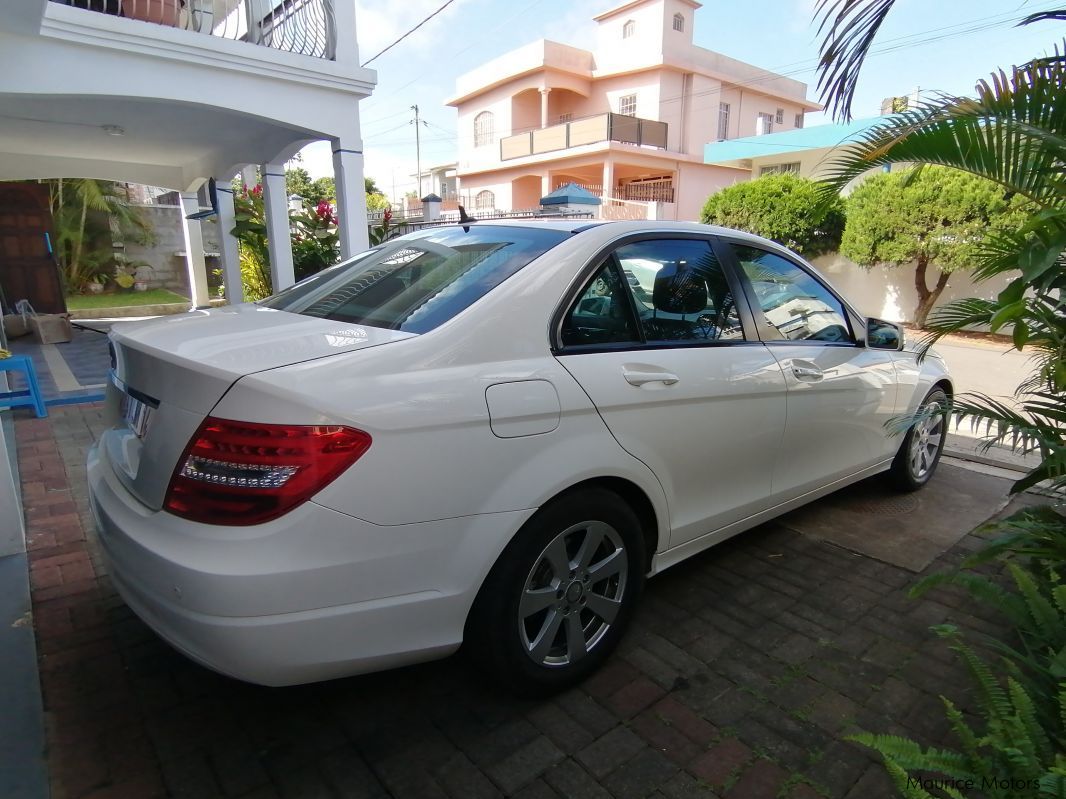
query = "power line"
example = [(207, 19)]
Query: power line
[(416, 27), (472, 45)]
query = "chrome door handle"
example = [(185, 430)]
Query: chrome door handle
[(640, 378), (807, 372)]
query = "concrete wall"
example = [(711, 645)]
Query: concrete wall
[(887, 292), (168, 268)]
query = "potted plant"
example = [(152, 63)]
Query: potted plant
[(161, 12)]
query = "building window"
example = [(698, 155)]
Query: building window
[(799, 120), (627, 105), (679, 23), (764, 124), (723, 121), (629, 29), (779, 118), (485, 201), (792, 168), (484, 129), (565, 118)]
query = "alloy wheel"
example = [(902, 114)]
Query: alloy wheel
[(573, 593), (926, 441)]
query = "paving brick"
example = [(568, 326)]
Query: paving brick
[(538, 789), (144, 785), (682, 718), (564, 731), (616, 674), (873, 782), (460, 778), (719, 764), (587, 712), (684, 786), (525, 764), (609, 751), (573, 782), (190, 776), (664, 738), (761, 780), (634, 697), (641, 775)]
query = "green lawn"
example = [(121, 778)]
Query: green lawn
[(81, 302)]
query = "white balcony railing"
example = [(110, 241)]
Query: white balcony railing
[(306, 27)]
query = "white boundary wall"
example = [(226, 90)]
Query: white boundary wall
[(887, 292)]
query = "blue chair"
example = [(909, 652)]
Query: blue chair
[(32, 395)]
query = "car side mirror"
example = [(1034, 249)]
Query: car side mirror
[(882, 335)]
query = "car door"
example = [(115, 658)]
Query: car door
[(840, 393), (658, 339)]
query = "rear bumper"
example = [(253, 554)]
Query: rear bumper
[(311, 596)]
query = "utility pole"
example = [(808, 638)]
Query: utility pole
[(418, 154)]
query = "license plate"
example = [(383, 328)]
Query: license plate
[(136, 414)]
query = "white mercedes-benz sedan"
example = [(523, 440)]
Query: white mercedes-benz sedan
[(487, 434)]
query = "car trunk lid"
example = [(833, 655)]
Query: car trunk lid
[(167, 375)]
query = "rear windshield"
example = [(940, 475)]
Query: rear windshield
[(419, 281)]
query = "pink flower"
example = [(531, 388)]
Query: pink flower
[(387, 216), (324, 210), (258, 190)]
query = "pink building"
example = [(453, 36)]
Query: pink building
[(628, 120)]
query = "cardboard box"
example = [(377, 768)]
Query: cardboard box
[(51, 328)]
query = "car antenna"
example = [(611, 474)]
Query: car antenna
[(465, 219)]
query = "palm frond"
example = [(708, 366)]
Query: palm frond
[(1010, 133), (850, 27)]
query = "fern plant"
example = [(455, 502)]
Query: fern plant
[(1019, 749), (1012, 755)]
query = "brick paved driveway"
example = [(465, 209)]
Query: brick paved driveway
[(743, 671)]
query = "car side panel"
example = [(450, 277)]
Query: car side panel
[(434, 453)]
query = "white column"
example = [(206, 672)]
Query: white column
[(194, 250), (231, 257), (279, 237), (608, 179), (347, 50), (545, 184), (351, 196), (544, 107)]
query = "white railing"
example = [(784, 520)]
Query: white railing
[(306, 27)]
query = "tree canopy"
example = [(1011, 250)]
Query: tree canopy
[(785, 208), (934, 217)]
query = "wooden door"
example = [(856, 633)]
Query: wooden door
[(27, 269)]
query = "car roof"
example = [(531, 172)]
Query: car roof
[(570, 225)]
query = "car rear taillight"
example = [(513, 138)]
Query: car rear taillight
[(241, 473)]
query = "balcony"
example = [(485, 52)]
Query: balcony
[(590, 130), (304, 27)]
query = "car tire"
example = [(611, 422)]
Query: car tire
[(542, 621), (918, 455)]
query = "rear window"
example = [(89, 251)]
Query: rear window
[(419, 281)]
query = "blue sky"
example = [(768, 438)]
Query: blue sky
[(940, 45)]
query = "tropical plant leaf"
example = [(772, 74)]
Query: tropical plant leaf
[(1011, 133), (850, 27)]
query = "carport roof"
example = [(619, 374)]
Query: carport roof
[(820, 137)]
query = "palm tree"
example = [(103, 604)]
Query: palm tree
[(82, 211), (1013, 132)]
